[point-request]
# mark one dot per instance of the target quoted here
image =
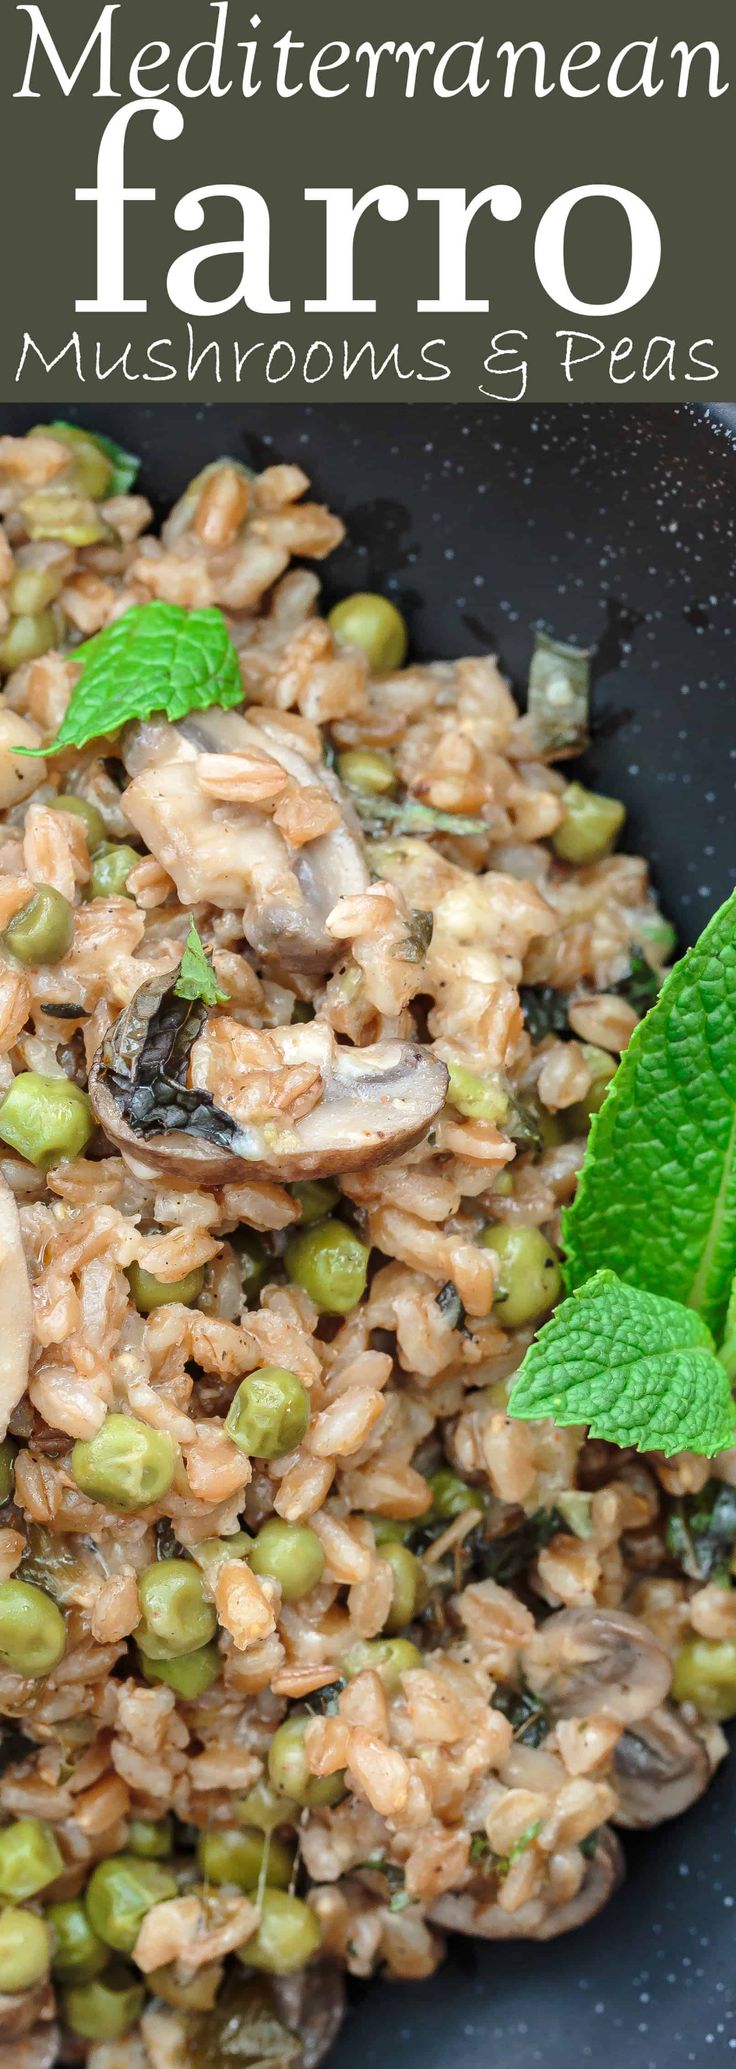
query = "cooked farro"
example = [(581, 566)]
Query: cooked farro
[(296, 1321)]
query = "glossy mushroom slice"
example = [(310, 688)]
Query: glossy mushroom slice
[(466, 1912), (204, 1098), (583, 1660), (659, 1769), (16, 1309), (231, 854)]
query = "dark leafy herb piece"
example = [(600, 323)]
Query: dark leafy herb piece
[(589, 1845), (400, 1899), (642, 985), (417, 938), (196, 978), (544, 1010), (65, 1009), (503, 1556), (528, 1716), (479, 1848), (143, 1064), (407, 815), (701, 1531), (393, 1874), (450, 1305), (323, 1702)]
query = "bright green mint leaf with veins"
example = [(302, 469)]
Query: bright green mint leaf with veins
[(637, 1369), (657, 1195), (196, 979), (157, 657)]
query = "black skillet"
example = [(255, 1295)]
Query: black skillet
[(613, 527)]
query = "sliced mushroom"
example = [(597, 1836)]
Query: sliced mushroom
[(16, 1310), (232, 855), (583, 1660), (466, 1912), (659, 1769), (368, 1104)]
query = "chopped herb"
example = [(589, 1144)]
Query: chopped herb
[(636, 1368), (399, 1900), (527, 1714), (545, 1010), (450, 1305), (407, 815), (417, 938), (641, 986), (479, 1847), (589, 1845), (143, 1064), (64, 1009), (527, 1839), (157, 657), (394, 1875), (558, 699), (503, 1557), (701, 1532), (196, 979), (324, 1702)]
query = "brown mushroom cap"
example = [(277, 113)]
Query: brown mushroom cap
[(232, 855), (659, 1769), (16, 1308), (464, 1911), (374, 1103), (584, 1660)]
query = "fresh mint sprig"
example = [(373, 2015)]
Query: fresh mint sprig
[(651, 1235), (157, 657)]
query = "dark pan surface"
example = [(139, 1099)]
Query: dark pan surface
[(615, 527)]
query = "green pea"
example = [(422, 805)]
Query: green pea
[(33, 588), (47, 1120), (451, 1495), (213, 1552), (368, 770), (478, 1098), (105, 2008), (289, 1553), (263, 1807), (120, 1892), (410, 1586), (255, 1263), (387, 1657), (229, 1854), (375, 625), (32, 1630), (269, 1413), (331, 1264), (28, 637), (705, 1674), (290, 1773), (177, 1618), (287, 1936), (150, 1293), (51, 514), (387, 1530), (126, 1465), (315, 1196), (89, 467), (602, 1068), (94, 824), (7, 1477), (530, 1280), (29, 1859), (78, 1954), (151, 1839), (590, 826), (111, 867), (43, 930), (191, 1675), (25, 1950)]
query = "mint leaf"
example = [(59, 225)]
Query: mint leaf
[(657, 1194), (125, 466), (157, 657), (196, 979), (408, 815), (636, 1368)]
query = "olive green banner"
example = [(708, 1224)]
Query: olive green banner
[(292, 199)]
